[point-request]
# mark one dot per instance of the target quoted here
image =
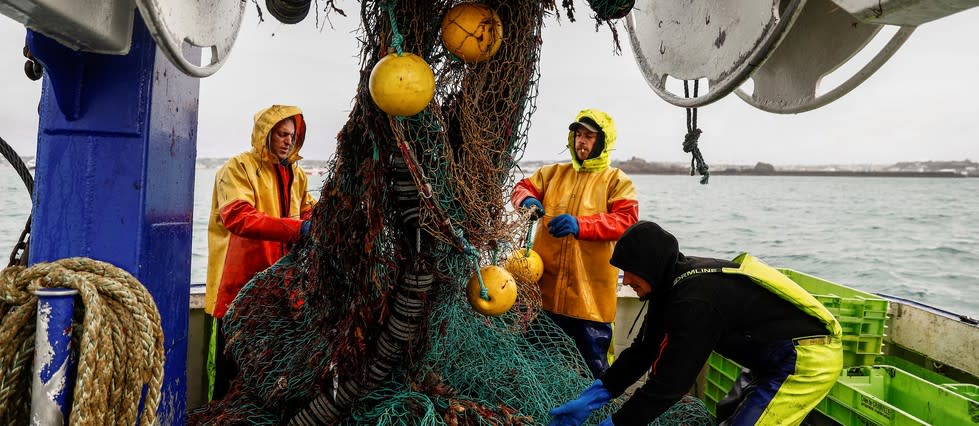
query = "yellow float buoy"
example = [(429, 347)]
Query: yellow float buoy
[(402, 84), (472, 31), (500, 286), (526, 269)]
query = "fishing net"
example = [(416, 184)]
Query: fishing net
[(366, 321)]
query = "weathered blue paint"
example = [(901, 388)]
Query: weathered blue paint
[(53, 363), (116, 147)]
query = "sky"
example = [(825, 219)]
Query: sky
[(921, 105)]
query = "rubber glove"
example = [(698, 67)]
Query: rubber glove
[(562, 225), (607, 422), (304, 229), (531, 202), (576, 411)]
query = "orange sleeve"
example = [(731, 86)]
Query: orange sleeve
[(242, 219), (609, 226), (521, 191)]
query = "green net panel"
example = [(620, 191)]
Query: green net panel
[(366, 322)]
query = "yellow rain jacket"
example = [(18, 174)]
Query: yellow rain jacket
[(578, 281), (257, 209)]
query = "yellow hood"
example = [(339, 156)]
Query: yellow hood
[(266, 119), (601, 162)]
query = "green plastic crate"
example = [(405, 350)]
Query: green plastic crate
[(721, 374), (885, 395), (862, 316), (967, 390), (912, 368)]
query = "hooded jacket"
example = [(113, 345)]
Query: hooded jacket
[(578, 281), (257, 209), (698, 305)]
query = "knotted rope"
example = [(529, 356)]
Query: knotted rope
[(692, 136), (120, 350)]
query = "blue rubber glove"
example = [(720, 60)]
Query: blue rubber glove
[(607, 422), (563, 225), (304, 229), (531, 202), (576, 411)]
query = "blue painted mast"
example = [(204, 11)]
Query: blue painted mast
[(117, 142), (54, 365)]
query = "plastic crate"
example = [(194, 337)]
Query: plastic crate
[(912, 368), (721, 374), (861, 315), (967, 390), (885, 395)]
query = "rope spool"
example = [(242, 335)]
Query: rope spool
[(120, 350)]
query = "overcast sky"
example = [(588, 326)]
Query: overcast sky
[(922, 105)]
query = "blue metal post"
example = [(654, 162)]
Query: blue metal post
[(116, 147), (53, 363)]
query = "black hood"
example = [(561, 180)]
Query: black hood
[(647, 250), (650, 252)]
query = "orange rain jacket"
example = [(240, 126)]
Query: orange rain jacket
[(257, 208), (578, 281)]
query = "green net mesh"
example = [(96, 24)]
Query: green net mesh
[(367, 322)]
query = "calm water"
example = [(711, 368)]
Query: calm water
[(911, 237)]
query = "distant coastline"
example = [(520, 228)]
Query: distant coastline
[(943, 169), (947, 174), (639, 166)]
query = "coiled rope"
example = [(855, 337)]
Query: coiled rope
[(120, 345)]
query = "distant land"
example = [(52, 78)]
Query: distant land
[(639, 166)]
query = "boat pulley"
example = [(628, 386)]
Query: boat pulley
[(211, 25), (823, 38), (786, 47), (719, 41)]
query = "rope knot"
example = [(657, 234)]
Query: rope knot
[(690, 140), (697, 162)]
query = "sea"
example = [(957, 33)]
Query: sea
[(916, 238)]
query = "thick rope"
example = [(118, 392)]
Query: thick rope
[(692, 136), (18, 256), (8, 152), (120, 347), (397, 40)]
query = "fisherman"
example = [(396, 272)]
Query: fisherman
[(586, 205), (744, 310), (259, 207)]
